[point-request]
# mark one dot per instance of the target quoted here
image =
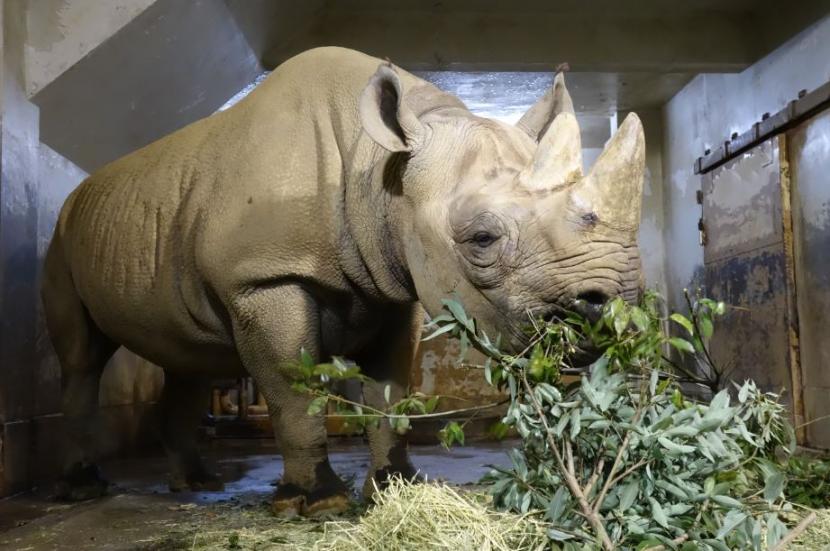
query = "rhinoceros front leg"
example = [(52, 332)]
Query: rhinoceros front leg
[(389, 364), (271, 326)]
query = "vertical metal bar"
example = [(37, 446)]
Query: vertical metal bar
[(794, 357), (216, 402)]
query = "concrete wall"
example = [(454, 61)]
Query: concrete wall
[(61, 32), (34, 182), (174, 63), (704, 114)]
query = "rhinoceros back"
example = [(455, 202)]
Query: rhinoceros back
[(159, 240)]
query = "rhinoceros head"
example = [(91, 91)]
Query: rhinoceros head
[(502, 216)]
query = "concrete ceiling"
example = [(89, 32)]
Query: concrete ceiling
[(177, 61)]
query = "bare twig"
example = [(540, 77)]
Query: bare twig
[(795, 532), (716, 377), (676, 541), (570, 479), (379, 413), (638, 465), (595, 474), (609, 480)]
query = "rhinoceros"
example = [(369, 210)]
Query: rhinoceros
[(323, 212)]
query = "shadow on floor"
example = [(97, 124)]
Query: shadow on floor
[(140, 513)]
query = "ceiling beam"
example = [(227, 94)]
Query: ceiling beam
[(176, 62), (504, 37)]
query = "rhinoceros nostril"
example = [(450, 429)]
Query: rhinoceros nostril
[(594, 298)]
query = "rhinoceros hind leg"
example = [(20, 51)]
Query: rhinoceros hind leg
[(83, 351), (271, 326), (82, 481), (180, 409)]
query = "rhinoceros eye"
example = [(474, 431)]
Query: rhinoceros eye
[(483, 239)]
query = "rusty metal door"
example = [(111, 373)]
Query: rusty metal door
[(748, 264), (809, 155)]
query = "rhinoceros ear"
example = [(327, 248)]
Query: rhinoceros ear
[(539, 117), (385, 116)]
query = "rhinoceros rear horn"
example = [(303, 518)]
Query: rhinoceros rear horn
[(385, 115), (615, 184), (538, 118), (558, 159)]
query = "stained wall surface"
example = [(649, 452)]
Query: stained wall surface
[(704, 114)]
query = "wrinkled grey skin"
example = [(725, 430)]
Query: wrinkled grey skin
[(318, 213)]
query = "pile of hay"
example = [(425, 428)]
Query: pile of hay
[(410, 516), (816, 536)]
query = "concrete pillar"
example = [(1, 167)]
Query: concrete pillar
[(19, 191)]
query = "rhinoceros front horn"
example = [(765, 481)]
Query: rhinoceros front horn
[(614, 187)]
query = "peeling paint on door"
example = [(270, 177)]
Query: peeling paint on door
[(747, 266)]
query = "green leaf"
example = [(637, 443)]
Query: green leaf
[(640, 318), (621, 321), (440, 331), (576, 424), (628, 495), (709, 485), (306, 360), (648, 543), (706, 327), (730, 522), (557, 504), (684, 322), (774, 486), (452, 433), (677, 399), (400, 424), (317, 405), (682, 345), (498, 430), (558, 535), (431, 404), (720, 401), (726, 501), (673, 448), (776, 530), (458, 313), (657, 513)]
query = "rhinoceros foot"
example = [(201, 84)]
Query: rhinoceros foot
[(378, 480), (291, 501), (81, 481), (196, 482)]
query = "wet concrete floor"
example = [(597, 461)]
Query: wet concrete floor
[(140, 511)]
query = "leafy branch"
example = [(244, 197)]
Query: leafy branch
[(624, 459)]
